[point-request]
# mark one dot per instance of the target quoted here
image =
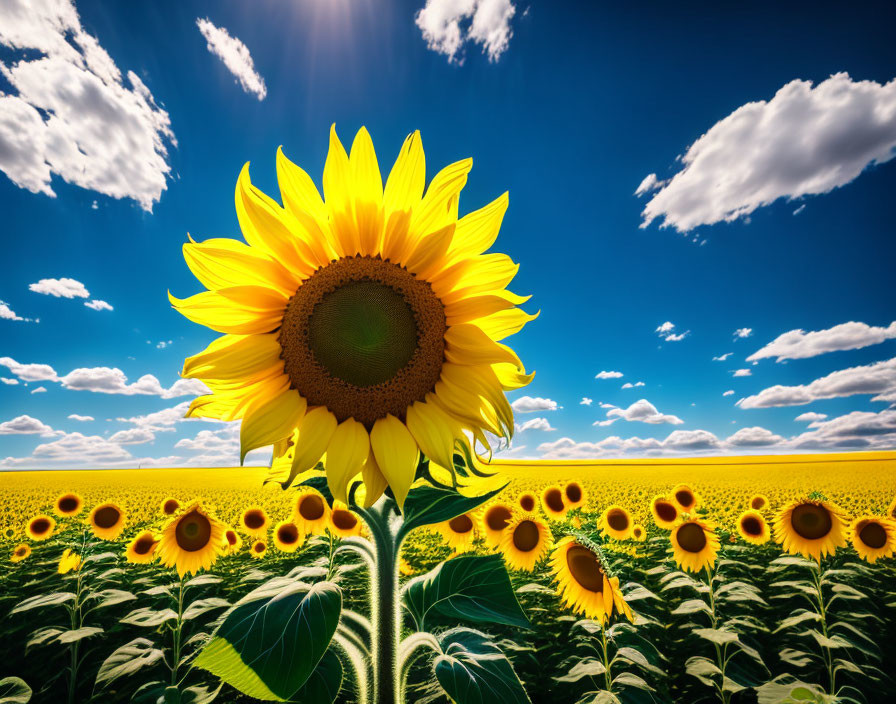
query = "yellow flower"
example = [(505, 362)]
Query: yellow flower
[(873, 537), (891, 510), (169, 506), (694, 544), (20, 552), (573, 494), (638, 533), (362, 329), (616, 522), (459, 532), (311, 512), (404, 567), (753, 527), (583, 583), (69, 504), (69, 562), (343, 522), (525, 541), (495, 519), (258, 549), (191, 540), (685, 498), (759, 502), (142, 549), (527, 501), (40, 527), (254, 522), (810, 527), (665, 512), (232, 542), (107, 521), (287, 536), (552, 502)]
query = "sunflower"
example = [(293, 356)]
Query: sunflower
[(68, 505), (258, 549), (495, 519), (638, 533), (142, 549), (811, 527), (573, 494), (191, 540), (759, 502), (552, 502), (873, 537), (107, 521), (527, 501), (694, 544), (891, 510), (9, 532), (525, 541), (685, 498), (232, 542), (343, 522), (665, 512), (311, 512), (366, 325), (40, 527), (288, 537), (753, 527), (169, 506), (584, 585), (20, 552), (69, 562), (459, 532), (405, 568), (616, 522), (254, 522)]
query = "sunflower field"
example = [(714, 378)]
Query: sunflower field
[(759, 579)]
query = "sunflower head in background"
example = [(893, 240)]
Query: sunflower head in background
[(20, 552), (495, 518), (685, 498), (873, 537), (552, 502), (69, 562), (526, 539), (638, 533), (584, 581), (362, 328), (811, 527), (169, 506), (69, 504), (40, 527), (759, 502), (191, 541), (459, 532), (258, 549), (288, 537), (343, 523), (232, 542), (142, 549), (254, 522), (573, 495), (527, 501), (695, 544), (616, 522), (753, 528), (891, 510), (107, 521), (311, 512), (664, 511)]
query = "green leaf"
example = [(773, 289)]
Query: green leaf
[(14, 690), (795, 620), (630, 679), (128, 659), (272, 639), (202, 606), (77, 634), (37, 602), (426, 505), (149, 618), (586, 667), (703, 669), (473, 670), (111, 597), (716, 635), (202, 580), (324, 683), (692, 606)]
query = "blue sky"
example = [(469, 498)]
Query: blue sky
[(760, 140)]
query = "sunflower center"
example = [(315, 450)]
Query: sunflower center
[(253, 520), (144, 545), (41, 525), (231, 537), (170, 507), (811, 521), (574, 493), (68, 504), (258, 547), (873, 535), (106, 517), (757, 503), (527, 502), (311, 508), (751, 525), (344, 520), (666, 511), (585, 568), (20, 551), (684, 497), (691, 537), (288, 534), (553, 499), (461, 524), (193, 532), (498, 517), (364, 338), (525, 536), (637, 532), (617, 520)]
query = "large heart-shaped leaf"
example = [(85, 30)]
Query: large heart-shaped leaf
[(426, 505), (324, 684), (472, 588), (473, 670), (273, 638)]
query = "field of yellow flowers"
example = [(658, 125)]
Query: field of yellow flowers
[(751, 579)]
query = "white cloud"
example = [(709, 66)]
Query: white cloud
[(98, 305), (678, 441), (878, 378), (650, 183), (162, 344), (722, 357), (83, 449), (584, 402), (30, 372), (106, 380), (447, 25), (80, 418), (39, 390), (799, 344), (7, 313), (743, 332), (803, 141), (60, 288), (534, 424), (164, 420), (742, 372), (72, 113), (665, 328), (9, 382), (629, 385), (25, 425), (858, 430), (665, 331), (729, 392), (810, 417), (608, 375), (528, 404), (132, 436), (800, 209), (754, 437), (235, 55), (642, 411)]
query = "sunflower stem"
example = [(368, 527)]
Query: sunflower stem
[(175, 661)]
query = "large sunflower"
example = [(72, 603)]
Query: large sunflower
[(583, 582), (753, 527), (40, 527), (68, 504), (362, 328), (873, 537), (526, 540), (107, 521), (343, 522), (495, 519), (288, 537), (665, 512), (142, 549), (311, 512), (694, 544), (191, 540), (811, 527)]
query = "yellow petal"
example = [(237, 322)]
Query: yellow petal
[(467, 406), (236, 357), (338, 196), (301, 199), (434, 431), (477, 231), (468, 344), (346, 455), (397, 242), (222, 263), (242, 310), (315, 432), (404, 187), (512, 377), (468, 309), (367, 187), (484, 274), (504, 323), (231, 403), (428, 256), (269, 420), (374, 481), (439, 205), (396, 453)]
